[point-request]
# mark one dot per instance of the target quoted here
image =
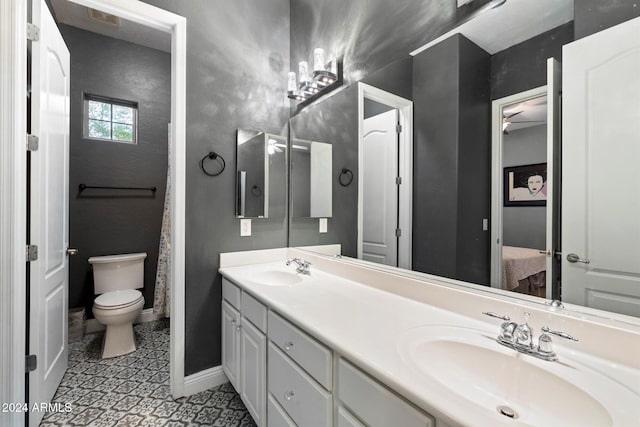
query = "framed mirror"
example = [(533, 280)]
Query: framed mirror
[(261, 166)]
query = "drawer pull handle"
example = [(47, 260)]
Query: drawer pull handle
[(233, 321), (238, 327), (289, 395), (288, 345)]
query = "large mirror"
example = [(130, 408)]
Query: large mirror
[(468, 189), (261, 165)]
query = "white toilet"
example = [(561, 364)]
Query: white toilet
[(117, 279)]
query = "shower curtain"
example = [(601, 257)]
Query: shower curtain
[(161, 300)]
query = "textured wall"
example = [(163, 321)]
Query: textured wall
[(592, 16), (524, 66), (369, 34), (113, 222), (451, 150), (237, 60)]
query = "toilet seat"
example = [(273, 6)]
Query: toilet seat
[(118, 299)]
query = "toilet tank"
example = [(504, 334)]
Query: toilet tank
[(118, 272)]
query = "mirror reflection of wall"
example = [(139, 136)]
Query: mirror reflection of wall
[(260, 175), (311, 179)]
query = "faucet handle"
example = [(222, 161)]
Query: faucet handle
[(560, 334), (496, 316)]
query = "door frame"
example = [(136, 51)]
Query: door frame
[(497, 176), (13, 205), (13, 178), (405, 155)]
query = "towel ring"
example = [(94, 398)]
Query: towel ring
[(256, 191), (349, 177), (214, 156)]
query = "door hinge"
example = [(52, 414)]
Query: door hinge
[(31, 363), (398, 232), (33, 142), (398, 180), (398, 128), (32, 253), (33, 32)]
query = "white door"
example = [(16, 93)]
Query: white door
[(601, 173), (253, 356), (554, 91), (380, 191), (49, 220)]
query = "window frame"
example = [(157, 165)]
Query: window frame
[(86, 97)]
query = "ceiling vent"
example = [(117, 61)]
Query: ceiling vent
[(104, 18)]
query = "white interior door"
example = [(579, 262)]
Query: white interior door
[(49, 209), (601, 176), (380, 191)]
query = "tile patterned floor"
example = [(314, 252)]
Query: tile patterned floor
[(133, 390)]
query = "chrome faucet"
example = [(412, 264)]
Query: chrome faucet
[(303, 266), (520, 338)]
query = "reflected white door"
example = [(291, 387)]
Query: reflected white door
[(49, 220), (380, 191), (601, 176)]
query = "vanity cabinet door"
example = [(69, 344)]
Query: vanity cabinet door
[(231, 343), (253, 356)]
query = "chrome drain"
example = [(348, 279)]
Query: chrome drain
[(507, 412)]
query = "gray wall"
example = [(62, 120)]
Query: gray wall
[(524, 66), (451, 151), (525, 226), (339, 110), (111, 222), (369, 34), (237, 64), (591, 16)]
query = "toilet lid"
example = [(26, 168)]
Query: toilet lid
[(118, 298)]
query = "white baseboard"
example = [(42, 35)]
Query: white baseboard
[(92, 325), (204, 380)]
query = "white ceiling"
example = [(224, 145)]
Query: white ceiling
[(77, 16), (530, 113), (514, 22)]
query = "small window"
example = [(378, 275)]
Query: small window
[(110, 119)]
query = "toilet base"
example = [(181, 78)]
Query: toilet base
[(118, 341)]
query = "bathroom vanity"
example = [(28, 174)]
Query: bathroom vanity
[(350, 344)]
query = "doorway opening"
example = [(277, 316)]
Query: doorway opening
[(108, 121), (385, 178)]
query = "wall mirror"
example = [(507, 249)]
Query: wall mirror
[(486, 167), (261, 165), (311, 179)]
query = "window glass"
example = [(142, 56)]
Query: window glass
[(111, 120)]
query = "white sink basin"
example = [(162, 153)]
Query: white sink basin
[(277, 278), (470, 364)]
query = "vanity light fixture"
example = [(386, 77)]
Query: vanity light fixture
[(312, 84)]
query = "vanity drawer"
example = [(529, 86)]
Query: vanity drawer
[(231, 293), (375, 404), (276, 416), (306, 402), (255, 311), (314, 358)]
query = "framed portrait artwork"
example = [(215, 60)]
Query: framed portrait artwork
[(525, 185)]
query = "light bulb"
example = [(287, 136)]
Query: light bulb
[(318, 59), (292, 83), (303, 70)]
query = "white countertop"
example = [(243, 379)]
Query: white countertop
[(366, 326)]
